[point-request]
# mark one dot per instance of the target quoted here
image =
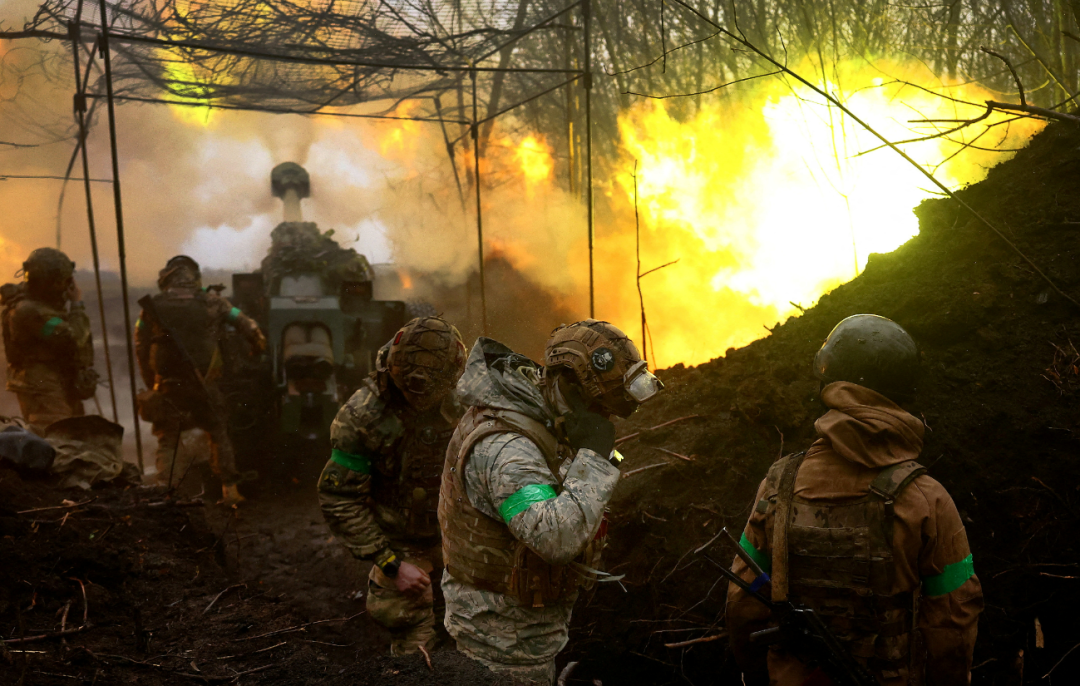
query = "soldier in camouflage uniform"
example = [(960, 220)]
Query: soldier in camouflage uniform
[(47, 341), (379, 491), (525, 484), (177, 346)]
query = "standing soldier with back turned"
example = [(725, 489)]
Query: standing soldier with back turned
[(176, 343), (855, 530), (47, 341), (380, 490), (528, 474)]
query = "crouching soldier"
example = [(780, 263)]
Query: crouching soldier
[(47, 341), (177, 345), (380, 490), (527, 476), (855, 530)]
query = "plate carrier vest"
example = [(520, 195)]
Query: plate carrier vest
[(480, 550), (837, 559)]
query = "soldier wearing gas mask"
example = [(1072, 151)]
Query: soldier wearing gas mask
[(528, 473)]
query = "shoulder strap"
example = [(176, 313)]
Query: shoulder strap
[(785, 493), (537, 433), (892, 480)]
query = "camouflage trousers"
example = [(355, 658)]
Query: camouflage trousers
[(178, 449), (520, 675), (41, 409), (411, 620)]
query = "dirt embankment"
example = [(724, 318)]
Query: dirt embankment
[(999, 398), (187, 594)]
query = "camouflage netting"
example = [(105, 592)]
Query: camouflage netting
[(236, 54)]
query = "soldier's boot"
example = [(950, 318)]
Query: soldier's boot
[(408, 641), (410, 620), (230, 495), (542, 674)]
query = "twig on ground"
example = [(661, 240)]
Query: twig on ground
[(67, 505), (642, 469), (298, 627), (703, 639), (218, 596), (427, 658), (675, 454), (260, 650), (564, 675), (44, 637), (85, 605)]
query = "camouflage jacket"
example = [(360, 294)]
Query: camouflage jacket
[(46, 345), (198, 318), (507, 478), (380, 487)]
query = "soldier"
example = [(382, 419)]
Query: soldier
[(176, 343), (379, 491), (855, 530), (47, 341), (526, 480)]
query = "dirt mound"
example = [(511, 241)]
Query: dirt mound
[(999, 398), (257, 596)]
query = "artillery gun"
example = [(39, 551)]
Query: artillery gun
[(314, 301)]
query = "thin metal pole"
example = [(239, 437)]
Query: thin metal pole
[(80, 112), (587, 11), (475, 132), (120, 231)]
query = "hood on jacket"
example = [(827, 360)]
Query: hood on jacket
[(497, 377), (865, 427)]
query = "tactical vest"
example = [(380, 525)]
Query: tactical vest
[(10, 296), (188, 317), (411, 487), (480, 550), (839, 561)]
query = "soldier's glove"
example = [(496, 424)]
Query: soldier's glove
[(585, 429), (86, 383)]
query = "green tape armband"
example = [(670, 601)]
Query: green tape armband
[(357, 463), (759, 557), (520, 501), (954, 576), (50, 326), (234, 314)]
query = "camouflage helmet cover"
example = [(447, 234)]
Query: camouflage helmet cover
[(425, 359), (48, 264), (180, 269), (605, 363)]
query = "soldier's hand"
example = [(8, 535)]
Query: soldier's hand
[(585, 429), (73, 292), (411, 580)]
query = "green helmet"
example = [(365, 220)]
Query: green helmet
[(48, 265), (870, 351)]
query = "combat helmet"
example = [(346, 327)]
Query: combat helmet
[(48, 271), (425, 359), (180, 271), (870, 351), (604, 362)]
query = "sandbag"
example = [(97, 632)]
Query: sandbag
[(88, 450)]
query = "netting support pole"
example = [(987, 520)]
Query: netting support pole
[(80, 113), (586, 9), (475, 133), (120, 232)]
